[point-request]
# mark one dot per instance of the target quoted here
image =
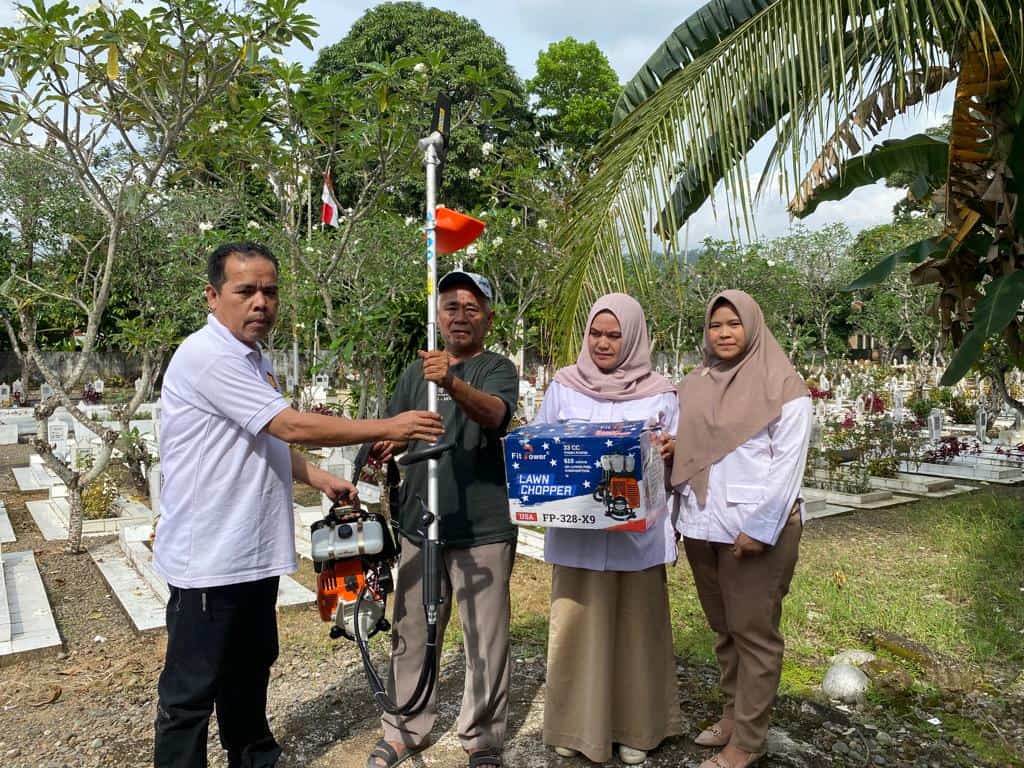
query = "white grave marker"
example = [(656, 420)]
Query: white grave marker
[(935, 422), (5, 395), (97, 386), (45, 391), (981, 425)]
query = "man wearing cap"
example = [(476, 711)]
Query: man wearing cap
[(477, 394)]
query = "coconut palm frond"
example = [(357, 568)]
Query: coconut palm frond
[(698, 34), (807, 63)]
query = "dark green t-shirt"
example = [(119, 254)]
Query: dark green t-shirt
[(471, 485)]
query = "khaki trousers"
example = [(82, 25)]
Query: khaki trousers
[(742, 600), (611, 664), (479, 579)]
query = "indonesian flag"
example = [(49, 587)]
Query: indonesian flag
[(329, 212)]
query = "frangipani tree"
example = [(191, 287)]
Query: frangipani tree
[(824, 78), (115, 91)]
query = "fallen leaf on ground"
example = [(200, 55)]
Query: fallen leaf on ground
[(55, 692)]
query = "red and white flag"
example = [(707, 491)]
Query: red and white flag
[(331, 209)]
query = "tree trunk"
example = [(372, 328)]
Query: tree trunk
[(998, 378), (75, 518)]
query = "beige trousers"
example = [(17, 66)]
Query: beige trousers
[(742, 600), (611, 674), (479, 579)]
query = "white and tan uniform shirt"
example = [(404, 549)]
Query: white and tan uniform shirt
[(752, 488)]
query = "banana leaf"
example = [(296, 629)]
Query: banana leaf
[(912, 254), (920, 154), (992, 313)]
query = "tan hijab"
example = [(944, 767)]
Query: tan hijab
[(632, 377), (722, 405)]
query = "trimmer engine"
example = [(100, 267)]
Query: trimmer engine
[(353, 552)]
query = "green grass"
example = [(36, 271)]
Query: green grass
[(947, 574), (944, 573)]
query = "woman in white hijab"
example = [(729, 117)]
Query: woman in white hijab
[(611, 675), (744, 428)]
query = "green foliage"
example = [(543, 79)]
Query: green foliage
[(396, 47), (997, 309), (925, 158), (98, 498), (576, 90)]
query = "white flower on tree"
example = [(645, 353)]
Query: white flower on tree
[(487, 148), (420, 68), (474, 173), (205, 226)]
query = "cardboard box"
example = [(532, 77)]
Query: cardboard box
[(588, 476)]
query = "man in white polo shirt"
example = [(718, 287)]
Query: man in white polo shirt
[(226, 531)]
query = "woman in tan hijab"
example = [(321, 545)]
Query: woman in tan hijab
[(744, 428), (611, 665)]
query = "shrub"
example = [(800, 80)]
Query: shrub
[(98, 498)]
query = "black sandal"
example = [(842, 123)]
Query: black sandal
[(489, 757), (386, 753)]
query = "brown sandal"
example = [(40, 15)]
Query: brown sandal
[(717, 761)]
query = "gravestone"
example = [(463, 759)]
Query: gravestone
[(97, 386), (17, 390), (897, 406), (57, 437), (5, 395), (8, 434), (981, 425), (45, 391), (824, 384), (321, 380), (289, 383), (155, 479), (935, 422)]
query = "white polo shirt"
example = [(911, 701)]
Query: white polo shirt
[(226, 502)]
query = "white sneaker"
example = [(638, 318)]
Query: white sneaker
[(631, 756), (566, 752)]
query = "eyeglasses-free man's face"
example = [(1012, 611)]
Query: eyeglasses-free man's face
[(246, 304)]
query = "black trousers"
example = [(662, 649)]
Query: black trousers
[(221, 643)]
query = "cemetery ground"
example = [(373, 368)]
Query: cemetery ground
[(948, 575)]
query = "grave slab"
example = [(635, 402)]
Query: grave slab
[(8, 434), (6, 530), (127, 565), (31, 620), (144, 608), (27, 480), (530, 544), (47, 520), (5, 610), (978, 473), (817, 506)]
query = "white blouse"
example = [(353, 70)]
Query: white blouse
[(616, 550), (752, 489)]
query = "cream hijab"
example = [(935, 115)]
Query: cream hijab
[(722, 405), (632, 377)]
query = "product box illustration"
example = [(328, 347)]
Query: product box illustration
[(592, 476)]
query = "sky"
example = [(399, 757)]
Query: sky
[(627, 33)]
